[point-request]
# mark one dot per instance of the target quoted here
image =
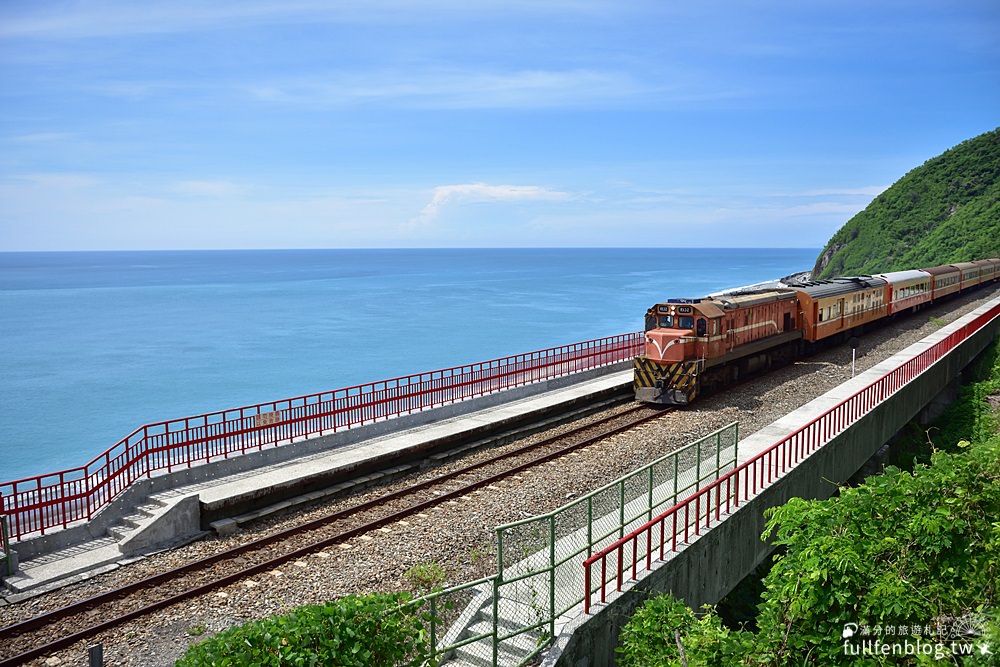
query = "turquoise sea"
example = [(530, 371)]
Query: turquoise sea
[(98, 343)]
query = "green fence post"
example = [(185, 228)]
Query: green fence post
[(433, 627), (718, 453), (677, 474), (496, 596), (736, 443), (649, 513), (499, 553), (621, 509), (697, 467), (590, 526), (496, 619), (552, 576)]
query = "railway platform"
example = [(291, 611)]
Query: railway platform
[(197, 505)]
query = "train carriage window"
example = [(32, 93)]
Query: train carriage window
[(685, 322), (702, 327), (666, 321)]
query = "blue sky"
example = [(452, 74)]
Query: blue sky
[(436, 123)]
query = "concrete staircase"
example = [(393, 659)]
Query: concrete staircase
[(151, 524), (131, 524), (159, 522), (477, 621)]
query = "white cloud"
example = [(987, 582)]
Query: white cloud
[(461, 89), (39, 137), (863, 191), (209, 188), (847, 210), (445, 194), (58, 181), (111, 18)]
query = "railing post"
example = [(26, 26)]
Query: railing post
[(604, 577), (621, 562)]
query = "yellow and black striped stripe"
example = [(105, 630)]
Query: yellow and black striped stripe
[(679, 381)]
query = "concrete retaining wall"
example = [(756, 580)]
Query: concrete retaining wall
[(707, 569)]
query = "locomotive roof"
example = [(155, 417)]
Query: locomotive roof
[(836, 286), (751, 298), (714, 306)]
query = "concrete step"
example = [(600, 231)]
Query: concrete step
[(482, 622), (459, 662), (127, 525), (119, 532), (524, 643), (480, 654)]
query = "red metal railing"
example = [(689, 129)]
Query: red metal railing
[(696, 513), (40, 503)]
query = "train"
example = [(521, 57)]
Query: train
[(695, 347)]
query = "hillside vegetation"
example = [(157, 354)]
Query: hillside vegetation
[(947, 210)]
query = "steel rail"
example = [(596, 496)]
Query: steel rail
[(68, 611)]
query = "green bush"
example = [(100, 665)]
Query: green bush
[(663, 627), (354, 631), (425, 577)]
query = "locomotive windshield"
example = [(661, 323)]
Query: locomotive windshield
[(672, 322)]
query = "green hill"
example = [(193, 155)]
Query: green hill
[(945, 211)]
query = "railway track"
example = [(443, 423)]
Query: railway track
[(54, 630)]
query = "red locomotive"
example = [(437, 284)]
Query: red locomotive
[(696, 346)]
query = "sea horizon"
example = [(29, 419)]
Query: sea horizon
[(100, 342)]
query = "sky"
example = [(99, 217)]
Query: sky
[(475, 123)]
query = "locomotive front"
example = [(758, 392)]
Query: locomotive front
[(667, 373)]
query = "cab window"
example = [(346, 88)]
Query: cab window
[(666, 321), (685, 322)]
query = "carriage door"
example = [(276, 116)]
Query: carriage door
[(701, 331)]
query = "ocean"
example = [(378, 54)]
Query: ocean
[(97, 344)]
